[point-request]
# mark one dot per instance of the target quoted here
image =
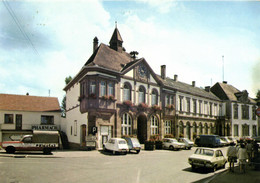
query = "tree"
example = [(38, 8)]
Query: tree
[(63, 103), (258, 95)]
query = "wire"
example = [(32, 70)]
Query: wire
[(11, 12)]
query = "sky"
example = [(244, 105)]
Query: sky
[(43, 42)]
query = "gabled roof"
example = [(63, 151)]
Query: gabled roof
[(29, 103), (228, 92), (186, 88), (108, 58)]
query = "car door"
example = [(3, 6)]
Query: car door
[(219, 158)]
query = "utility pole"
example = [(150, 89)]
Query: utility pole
[(223, 67)]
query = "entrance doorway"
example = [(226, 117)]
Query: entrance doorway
[(83, 135), (142, 128)]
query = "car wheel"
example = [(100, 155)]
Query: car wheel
[(171, 148), (224, 165), (46, 151), (10, 150), (137, 151), (114, 152), (193, 167), (214, 168)]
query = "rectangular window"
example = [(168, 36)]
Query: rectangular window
[(75, 128), (194, 106), (245, 112), (210, 109), (167, 100), (235, 108), (103, 88), (181, 103), (9, 118), (236, 134), (92, 87), (253, 113), (200, 107), (167, 127), (171, 100), (47, 120), (188, 105), (110, 89)]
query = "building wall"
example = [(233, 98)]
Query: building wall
[(28, 120), (240, 122), (74, 118)]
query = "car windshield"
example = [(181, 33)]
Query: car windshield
[(121, 142), (206, 152), (174, 140), (188, 140), (135, 140)]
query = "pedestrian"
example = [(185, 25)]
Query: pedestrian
[(255, 149), (249, 150), (242, 157), (232, 156)]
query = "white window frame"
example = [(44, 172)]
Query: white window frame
[(154, 125), (126, 124)]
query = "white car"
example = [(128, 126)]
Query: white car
[(207, 158), (116, 145), (188, 143), (172, 144)]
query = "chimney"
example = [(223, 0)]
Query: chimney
[(207, 88), (193, 83), (225, 82), (175, 77), (95, 44), (163, 71)]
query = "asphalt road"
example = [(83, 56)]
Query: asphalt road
[(159, 166)]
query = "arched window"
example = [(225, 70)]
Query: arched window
[(211, 129), (194, 127), (154, 125), (141, 94), (154, 97), (206, 129), (200, 129), (103, 88), (126, 124), (188, 130), (181, 127), (126, 92)]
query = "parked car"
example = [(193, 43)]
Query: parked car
[(45, 141), (188, 143), (133, 144), (233, 140), (223, 142), (207, 158), (116, 145), (172, 144), (207, 141)]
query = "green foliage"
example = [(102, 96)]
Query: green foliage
[(63, 103)]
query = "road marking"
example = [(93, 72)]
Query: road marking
[(138, 175)]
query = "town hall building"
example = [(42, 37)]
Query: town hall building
[(116, 94)]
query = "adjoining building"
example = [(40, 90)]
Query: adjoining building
[(21, 114), (117, 94), (240, 110)]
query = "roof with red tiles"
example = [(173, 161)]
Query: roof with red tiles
[(29, 103)]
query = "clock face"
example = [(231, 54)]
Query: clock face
[(142, 71)]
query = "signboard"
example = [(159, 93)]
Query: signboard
[(94, 130), (45, 127), (258, 111)]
